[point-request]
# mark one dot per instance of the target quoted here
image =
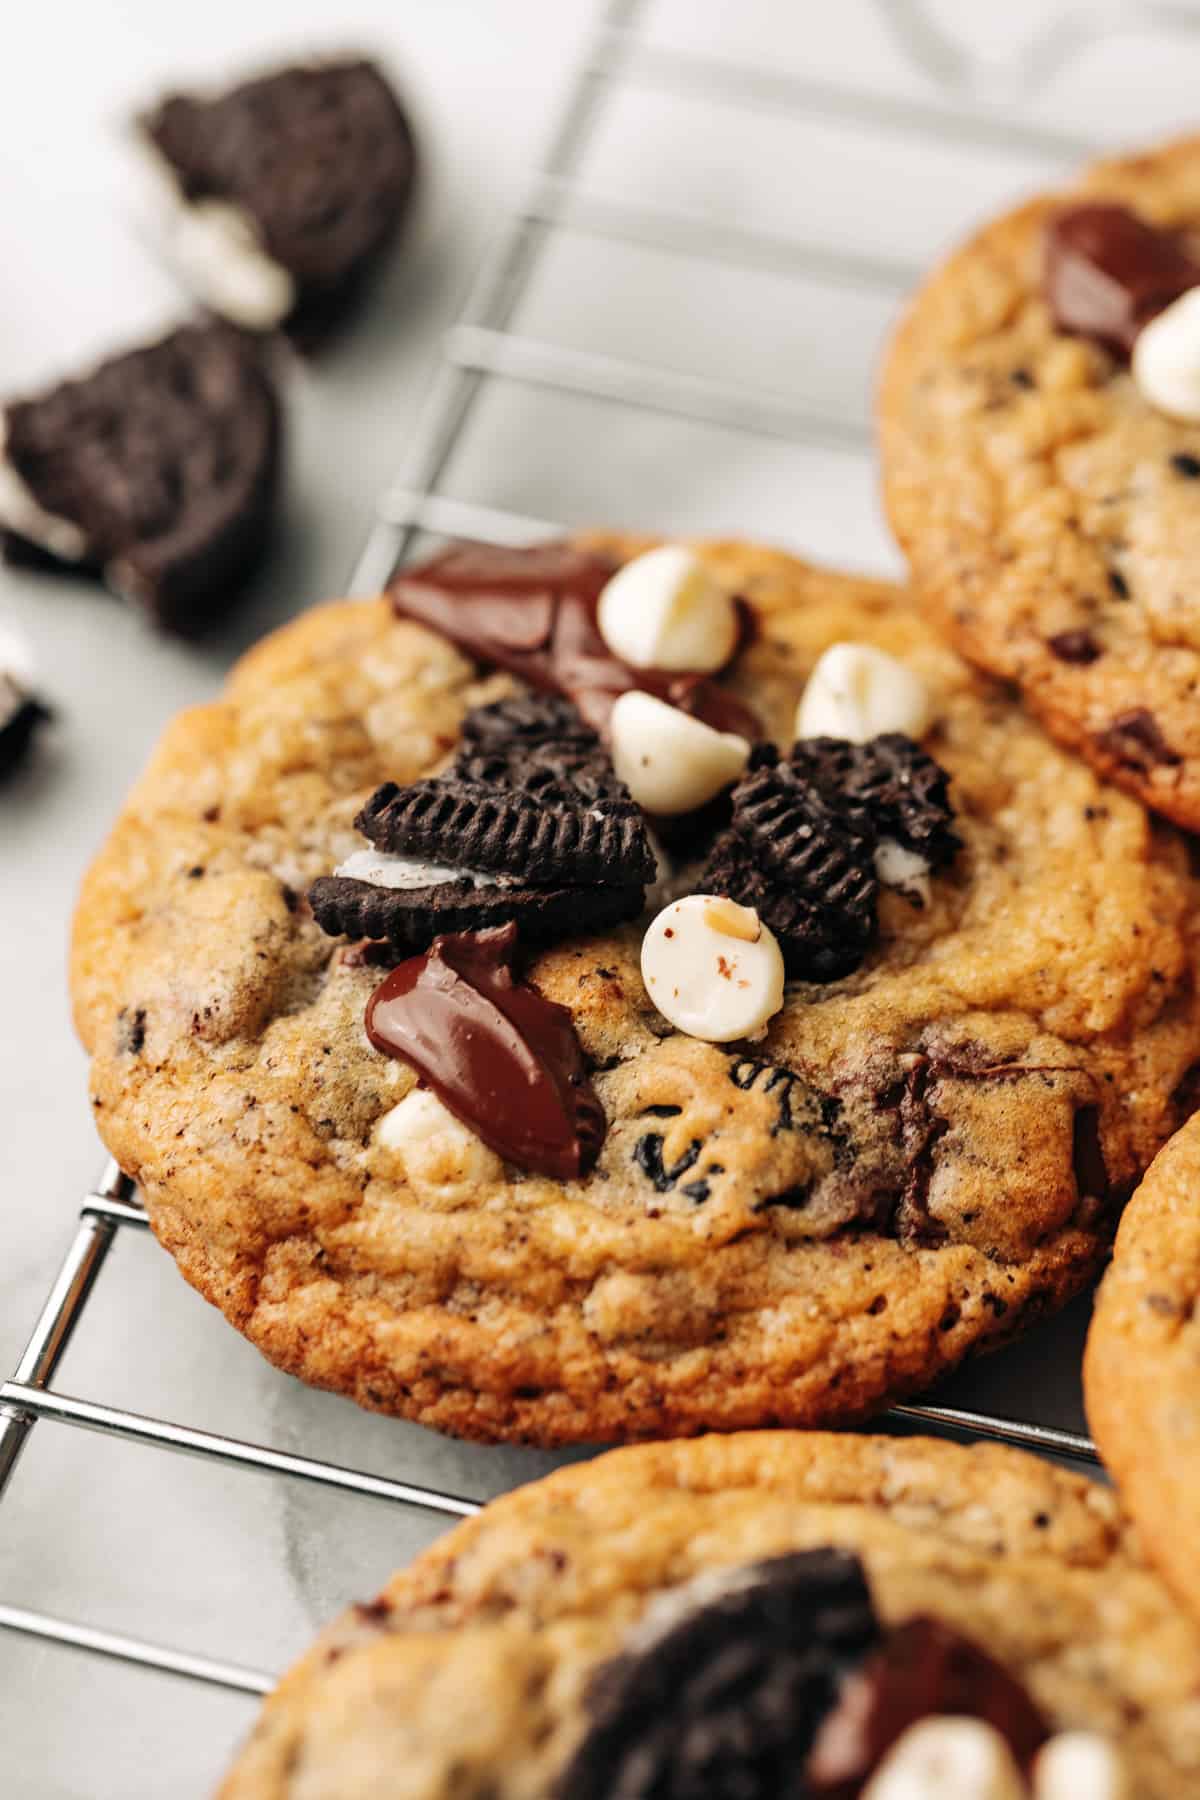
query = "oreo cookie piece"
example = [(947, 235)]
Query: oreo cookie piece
[(723, 1693), (887, 787), (822, 938), (555, 834), (158, 470), (409, 918), (288, 190)]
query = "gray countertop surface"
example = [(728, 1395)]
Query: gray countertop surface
[(235, 1564)]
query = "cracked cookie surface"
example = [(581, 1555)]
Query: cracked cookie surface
[(469, 1675), (1142, 1367), (912, 1162), (1050, 513)]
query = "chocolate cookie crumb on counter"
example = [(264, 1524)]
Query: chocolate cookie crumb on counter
[(157, 470), (285, 191)]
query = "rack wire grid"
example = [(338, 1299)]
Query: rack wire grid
[(480, 347)]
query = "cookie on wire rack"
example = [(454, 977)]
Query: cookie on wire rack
[(905, 1165), (765, 1614)]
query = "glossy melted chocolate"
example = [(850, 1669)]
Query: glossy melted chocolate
[(1108, 272), (533, 612), (502, 1058), (923, 1668)]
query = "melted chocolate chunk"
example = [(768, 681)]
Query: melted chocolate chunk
[(1136, 740), (923, 1668), (1078, 647), (1107, 272), (503, 1059), (321, 158), (533, 612), (727, 1699)]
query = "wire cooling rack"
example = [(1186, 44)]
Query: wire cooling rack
[(483, 347)]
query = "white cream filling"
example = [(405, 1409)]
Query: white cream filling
[(901, 868), (216, 247), (382, 870), (20, 512)]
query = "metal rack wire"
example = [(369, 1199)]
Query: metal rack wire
[(481, 347)]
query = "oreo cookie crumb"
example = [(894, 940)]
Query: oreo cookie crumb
[(818, 942), (887, 788)]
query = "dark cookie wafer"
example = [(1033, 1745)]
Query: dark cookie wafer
[(319, 158), (473, 826), (163, 463), (410, 918), (820, 942), (528, 720), (887, 787)]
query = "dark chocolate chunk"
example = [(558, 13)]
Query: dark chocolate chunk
[(321, 160), (923, 1668), (410, 918), (886, 788), (818, 942), (542, 837), (165, 461), (503, 1059), (1108, 272), (1087, 1154), (533, 612), (727, 1699), (21, 715), (1078, 647), (1135, 739)]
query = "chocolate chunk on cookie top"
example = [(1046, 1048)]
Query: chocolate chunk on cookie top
[(503, 1059), (767, 1616), (1039, 415), (811, 1197), (158, 470), (287, 190)]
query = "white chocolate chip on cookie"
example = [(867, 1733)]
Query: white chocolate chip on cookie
[(858, 692), (670, 762), (1166, 358), (945, 1758), (1079, 1765), (707, 974), (434, 1146), (664, 610)]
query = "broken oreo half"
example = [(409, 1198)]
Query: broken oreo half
[(290, 188), (158, 470), (528, 825)]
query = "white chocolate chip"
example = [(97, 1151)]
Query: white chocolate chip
[(664, 610), (434, 1147), (857, 692), (945, 1758), (382, 870), (670, 762), (1166, 358), (903, 869), (706, 982), (1079, 1765)]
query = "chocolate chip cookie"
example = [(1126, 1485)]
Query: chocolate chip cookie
[(900, 1166), (761, 1614), (1142, 1368), (1041, 456)]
